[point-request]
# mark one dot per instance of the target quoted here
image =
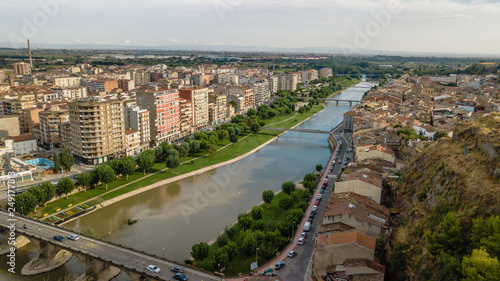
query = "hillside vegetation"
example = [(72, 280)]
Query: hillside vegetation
[(449, 197)]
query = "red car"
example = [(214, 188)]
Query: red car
[(317, 203)]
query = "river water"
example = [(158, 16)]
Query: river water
[(173, 217)]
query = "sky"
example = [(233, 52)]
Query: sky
[(448, 26)]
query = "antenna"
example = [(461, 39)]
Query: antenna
[(29, 52)]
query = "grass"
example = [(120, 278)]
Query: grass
[(246, 143)]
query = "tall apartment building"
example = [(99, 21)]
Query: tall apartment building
[(213, 114), (2, 76), (19, 108), (140, 77), (186, 118), (138, 120), (230, 78), (273, 84), (220, 100), (199, 102), (201, 80), (66, 81), (50, 123), (21, 68), (309, 75), (246, 93), (287, 82), (102, 85), (325, 72), (72, 93), (261, 92), (126, 84), (97, 130), (9, 126), (164, 118)]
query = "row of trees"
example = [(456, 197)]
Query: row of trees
[(63, 161)]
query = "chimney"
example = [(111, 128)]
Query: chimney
[(29, 52)]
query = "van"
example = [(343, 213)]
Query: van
[(307, 226)]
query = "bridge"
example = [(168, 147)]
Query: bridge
[(334, 100), (297, 130), (360, 75), (101, 260)]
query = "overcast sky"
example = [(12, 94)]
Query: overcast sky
[(451, 26)]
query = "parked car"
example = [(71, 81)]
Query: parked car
[(177, 269), (180, 276), (58, 238), (303, 235), (73, 237), (301, 241), (279, 265), (292, 254), (153, 268), (310, 220), (321, 191), (313, 212), (270, 273), (315, 208), (339, 161), (317, 203), (346, 162)]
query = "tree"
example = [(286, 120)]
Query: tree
[(309, 185), (245, 221), (479, 266), (309, 177), (173, 162), (115, 165), (249, 244), (286, 202), (257, 213), (288, 187), (146, 160), (183, 151), (25, 203), (67, 160), (171, 152), (195, 146), (268, 196), (220, 258), (65, 186), (200, 251), (486, 234), (439, 134), (233, 138), (127, 166), (211, 149), (37, 192), (232, 251), (49, 190), (57, 164), (83, 180), (104, 174), (319, 167), (255, 127)]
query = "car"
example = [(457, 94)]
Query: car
[(292, 254), (320, 196), (180, 276), (310, 220), (303, 235), (340, 161), (345, 162), (315, 208), (270, 273), (73, 237), (58, 238), (326, 180), (153, 268), (177, 269), (301, 241), (321, 191), (317, 203), (279, 265), (313, 212)]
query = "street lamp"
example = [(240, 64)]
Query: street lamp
[(293, 229), (256, 256), (163, 252), (144, 265)]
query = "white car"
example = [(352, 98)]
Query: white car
[(153, 268), (315, 208), (301, 241), (292, 254), (73, 237), (320, 196)]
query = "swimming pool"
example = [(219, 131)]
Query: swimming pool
[(43, 163)]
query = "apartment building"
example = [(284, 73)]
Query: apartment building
[(9, 126), (261, 93), (138, 120), (2, 76), (287, 82), (273, 84), (164, 118), (186, 118), (19, 108), (309, 75), (213, 114), (50, 123), (132, 143), (126, 84), (227, 78), (325, 72), (220, 100), (199, 102), (21, 68), (97, 130), (71, 93), (66, 81), (201, 80), (102, 85)]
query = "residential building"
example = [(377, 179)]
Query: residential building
[(213, 114), (273, 84), (186, 118), (138, 120), (356, 211), (97, 130), (261, 93), (246, 93), (21, 68), (71, 93), (287, 82), (20, 145), (369, 185), (9, 126), (227, 78), (199, 102), (164, 118), (126, 84), (18, 107), (132, 143), (325, 72), (65, 82), (220, 100), (374, 151), (2, 76), (309, 75), (102, 85), (50, 122), (201, 80), (349, 121), (357, 270)]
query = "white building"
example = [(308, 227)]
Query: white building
[(261, 93), (66, 81), (20, 145), (71, 93), (230, 78)]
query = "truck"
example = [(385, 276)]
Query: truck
[(307, 226)]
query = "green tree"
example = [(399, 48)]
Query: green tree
[(448, 239), (221, 258), (25, 203), (286, 202), (194, 146), (319, 167), (200, 251), (249, 244), (245, 221), (257, 213), (67, 160), (146, 160), (255, 127), (309, 177), (486, 234), (288, 187), (173, 162), (480, 266), (38, 193), (115, 165), (65, 186), (268, 196), (310, 185), (439, 134), (233, 138), (49, 190), (183, 151), (105, 174), (57, 164), (211, 149), (232, 251), (83, 180), (127, 166)]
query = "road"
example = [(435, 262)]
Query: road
[(296, 268), (114, 253)]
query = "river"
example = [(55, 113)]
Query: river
[(173, 217)]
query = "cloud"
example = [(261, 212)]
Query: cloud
[(173, 40), (126, 41), (79, 41)]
